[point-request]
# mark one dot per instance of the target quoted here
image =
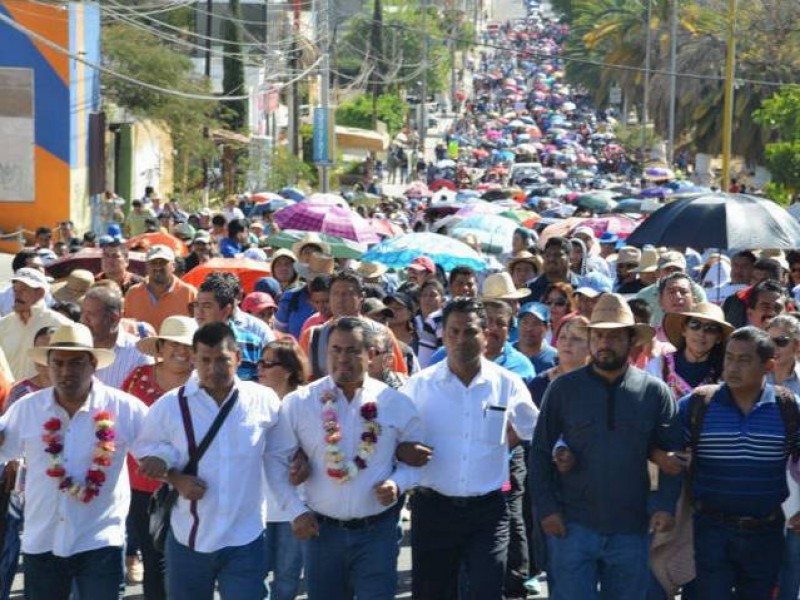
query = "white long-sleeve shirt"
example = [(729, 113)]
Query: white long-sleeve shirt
[(301, 411), (232, 512), (466, 426), (55, 521)]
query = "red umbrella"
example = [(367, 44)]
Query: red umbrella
[(148, 240), (386, 228), (248, 271), (442, 183)]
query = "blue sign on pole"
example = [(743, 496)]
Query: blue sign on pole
[(322, 142)]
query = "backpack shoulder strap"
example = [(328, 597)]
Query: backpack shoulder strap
[(698, 407), (790, 413)]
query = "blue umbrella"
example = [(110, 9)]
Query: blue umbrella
[(270, 207), (292, 193), (442, 250), (492, 231)]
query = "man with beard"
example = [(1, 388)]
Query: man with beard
[(161, 294), (610, 415), (556, 268)]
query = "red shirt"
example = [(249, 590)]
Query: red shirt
[(141, 382)]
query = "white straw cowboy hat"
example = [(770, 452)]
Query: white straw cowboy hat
[(613, 312), (674, 322), (72, 337), (177, 328), (499, 286), (318, 264)]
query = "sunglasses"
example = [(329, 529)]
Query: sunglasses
[(559, 302), (696, 325), (782, 341), (265, 364)]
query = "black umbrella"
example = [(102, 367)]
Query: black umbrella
[(719, 220)]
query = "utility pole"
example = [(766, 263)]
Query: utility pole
[(727, 111), (294, 96), (646, 91), (423, 109), (207, 73), (673, 81), (324, 33)]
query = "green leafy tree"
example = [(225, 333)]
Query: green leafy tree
[(390, 108), (142, 56), (780, 116)]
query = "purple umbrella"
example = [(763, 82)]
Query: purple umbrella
[(324, 218), (655, 192)]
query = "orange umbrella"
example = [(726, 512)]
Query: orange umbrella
[(248, 271), (148, 240)]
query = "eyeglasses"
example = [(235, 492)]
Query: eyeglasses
[(696, 325), (559, 302), (268, 364), (782, 341)]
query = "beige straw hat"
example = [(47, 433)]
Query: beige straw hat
[(370, 270), (74, 287), (527, 257), (177, 328), (310, 239), (499, 286), (648, 263), (674, 322), (72, 337), (613, 312)]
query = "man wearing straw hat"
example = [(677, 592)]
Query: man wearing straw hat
[(610, 415), (74, 437)]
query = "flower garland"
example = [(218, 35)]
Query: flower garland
[(335, 464), (103, 452)]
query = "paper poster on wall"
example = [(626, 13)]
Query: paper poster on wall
[(17, 162)]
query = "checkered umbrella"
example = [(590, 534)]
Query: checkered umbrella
[(325, 218)]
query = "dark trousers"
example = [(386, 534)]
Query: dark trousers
[(139, 522), (746, 560), (95, 575), (448, 532), (518, 563)]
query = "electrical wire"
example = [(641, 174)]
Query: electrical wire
[(180, 94)]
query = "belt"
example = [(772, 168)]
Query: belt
[(354, 523), (459, 501), (741, 522)]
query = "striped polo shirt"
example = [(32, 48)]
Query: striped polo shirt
[(741, 458)]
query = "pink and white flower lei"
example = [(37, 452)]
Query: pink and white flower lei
[(95, 477), (336, 466)]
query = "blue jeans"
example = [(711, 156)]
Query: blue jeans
[(238, 570), (343, 563), (284, 557), (747, 560), (790, 569), (96, 574), (584, 558)]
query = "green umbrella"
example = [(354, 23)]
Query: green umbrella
[(340, 248)]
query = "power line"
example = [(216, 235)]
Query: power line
[(190, 96)]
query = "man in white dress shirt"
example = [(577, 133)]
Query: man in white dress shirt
[(349, 426), (101, 312), (473, 411), (74, 437), (217, 533)]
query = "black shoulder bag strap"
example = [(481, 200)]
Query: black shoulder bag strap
[(196, 452), (697, 409)]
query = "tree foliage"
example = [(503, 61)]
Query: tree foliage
[(391, 109), (780, 115), (142, 56)]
